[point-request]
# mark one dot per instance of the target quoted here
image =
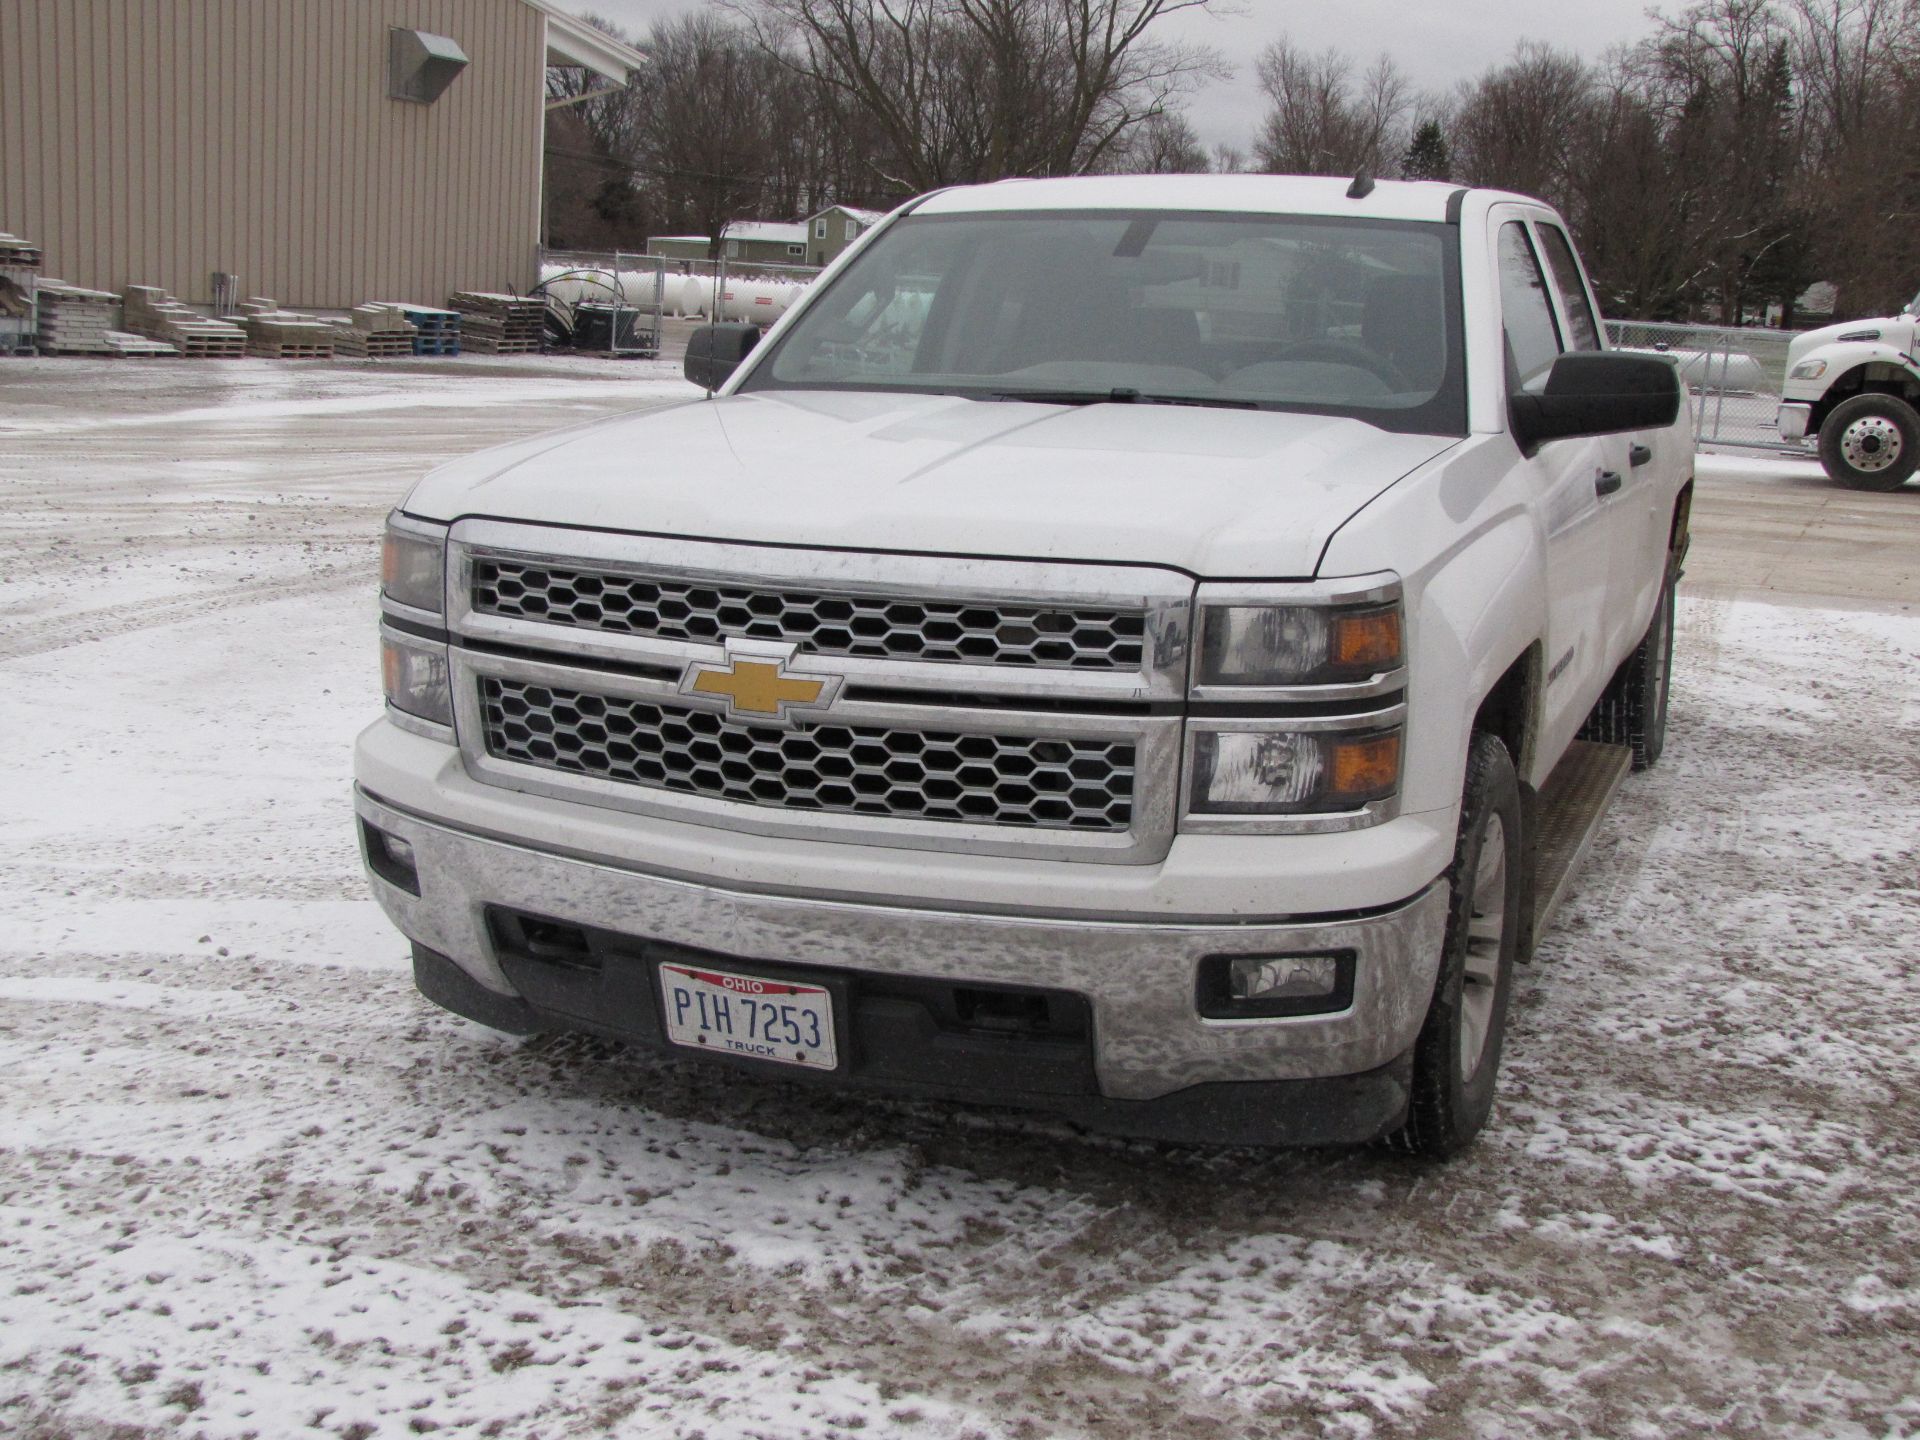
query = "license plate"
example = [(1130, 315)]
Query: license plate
[(748, 1016)]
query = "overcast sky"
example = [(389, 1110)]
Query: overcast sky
[(1437, 43)]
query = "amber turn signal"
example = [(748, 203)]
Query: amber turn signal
[(1365, 768), (1366, 639)]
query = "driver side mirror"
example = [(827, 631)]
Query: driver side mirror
[(1593, 392), (715, 351)]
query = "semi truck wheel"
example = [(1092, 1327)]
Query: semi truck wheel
[(1457, 1056), (1871, 442)]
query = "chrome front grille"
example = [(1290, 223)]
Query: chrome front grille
[(983, 706), (823, 623), (1034, 781)]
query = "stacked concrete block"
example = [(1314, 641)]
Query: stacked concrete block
[(152, 312), (493, 324), (75, 321), (374, 332), (137, 347), (276, 334)]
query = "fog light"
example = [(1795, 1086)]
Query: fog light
[(390, 857), (1268, 987), (1289, 977)]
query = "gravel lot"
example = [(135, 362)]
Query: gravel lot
[(252, 1184)]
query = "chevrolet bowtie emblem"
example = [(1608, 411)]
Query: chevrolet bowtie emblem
[(756, 683)]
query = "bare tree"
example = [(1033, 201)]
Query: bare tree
[(702, 138), (965, 90), (1163, 144), (1858, 63), (591, 198), (1323, 120), (1518, 126)]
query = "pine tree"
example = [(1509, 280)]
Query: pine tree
[(1427, 157)]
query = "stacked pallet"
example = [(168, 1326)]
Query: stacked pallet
[(75, 321), (137, 347), (152, 312), (19, 280), (374, 332), (493, 324), (276, 334), (436, 332)]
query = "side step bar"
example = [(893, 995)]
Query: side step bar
[(1573, 802)]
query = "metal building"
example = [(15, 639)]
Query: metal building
[(326, 152)]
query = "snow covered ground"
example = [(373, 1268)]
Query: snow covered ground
[(252, 1184)]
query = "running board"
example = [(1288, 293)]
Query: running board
[(1573, 802)]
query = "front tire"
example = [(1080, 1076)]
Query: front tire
[(1871, 442), (1457, 1057)]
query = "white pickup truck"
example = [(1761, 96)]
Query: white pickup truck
[(1144, 649)]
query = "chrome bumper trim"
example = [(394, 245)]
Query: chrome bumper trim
[(1139, 977)]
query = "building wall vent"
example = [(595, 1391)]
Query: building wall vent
[(421, 65)]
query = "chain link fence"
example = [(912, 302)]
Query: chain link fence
[(1734, 376)]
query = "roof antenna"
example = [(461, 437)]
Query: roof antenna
[(1362, 186)]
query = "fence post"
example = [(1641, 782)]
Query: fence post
[(1720, 393)]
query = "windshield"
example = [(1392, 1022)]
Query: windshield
[(1339, 317)]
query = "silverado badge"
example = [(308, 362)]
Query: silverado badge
[(758, 683)]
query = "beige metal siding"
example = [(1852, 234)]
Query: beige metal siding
[(152, 142)]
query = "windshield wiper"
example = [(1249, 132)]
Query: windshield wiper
[(1119, 395)]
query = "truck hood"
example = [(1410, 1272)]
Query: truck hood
[(1228, 494), (1896, 333)]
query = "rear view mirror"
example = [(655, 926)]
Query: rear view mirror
[(1596, 393), (715, 351)]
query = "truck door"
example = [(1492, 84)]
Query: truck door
[(1636, 529), (1569, 476)]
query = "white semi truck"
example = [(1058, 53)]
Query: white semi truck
[(1854, 389), (1145, 649)]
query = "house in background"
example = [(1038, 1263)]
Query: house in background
[(833, 229), (748, 242), (325, 153)]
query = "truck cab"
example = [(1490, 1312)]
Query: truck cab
[(1854, 390), (1112, 649)]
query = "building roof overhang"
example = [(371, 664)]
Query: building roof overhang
[(571, 41)]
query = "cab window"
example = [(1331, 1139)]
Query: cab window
[(1526, 315), (1584, 332)]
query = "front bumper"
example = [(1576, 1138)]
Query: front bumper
[(1794, 420), (1148, 1042)]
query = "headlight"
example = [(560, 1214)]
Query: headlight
[(415, 676), (1275, 771), (1299, 644), (413, 564), (1809, 369)]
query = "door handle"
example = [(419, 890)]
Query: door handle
[(1605, 482), (1639, 455)]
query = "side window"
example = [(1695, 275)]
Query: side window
[(1573, 296), (1533, 343), (820, 228)]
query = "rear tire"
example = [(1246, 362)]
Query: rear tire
[(1632, 710), (1871, 442), (1457, 1057)]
